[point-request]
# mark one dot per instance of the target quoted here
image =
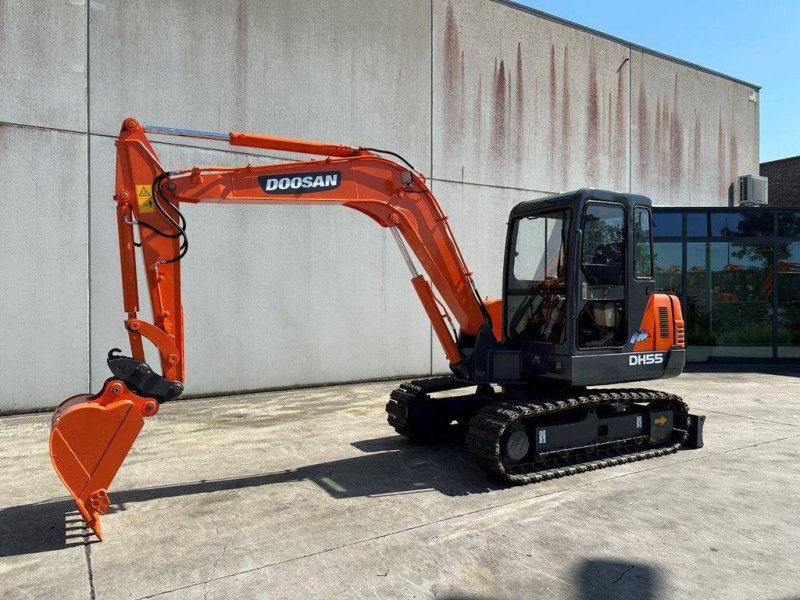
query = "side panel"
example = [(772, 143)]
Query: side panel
[(627, 366), (495, 308), (661, 326), (513, 367)]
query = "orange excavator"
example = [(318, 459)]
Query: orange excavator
[(579, 309)]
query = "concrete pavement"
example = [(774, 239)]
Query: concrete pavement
[(309, 494)]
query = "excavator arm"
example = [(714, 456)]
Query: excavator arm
[(92, 434)]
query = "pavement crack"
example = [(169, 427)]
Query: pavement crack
[(188, 468), (621, 575), (87, 551), (216, 560)]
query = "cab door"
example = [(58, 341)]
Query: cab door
[(601, 321)]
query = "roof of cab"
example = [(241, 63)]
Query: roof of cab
[(568, 198)]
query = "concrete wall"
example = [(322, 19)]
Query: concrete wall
[(497, 104)]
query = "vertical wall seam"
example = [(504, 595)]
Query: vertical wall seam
[(630, 121), (430, 328), (88, 208)]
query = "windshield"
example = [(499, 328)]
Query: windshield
[(539, 252)]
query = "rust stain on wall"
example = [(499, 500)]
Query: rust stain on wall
[(733, 156), (507, 117), (675, 140), (240, 73), (451, 48), (499, 113), (520, 109), (479, 113), (565, 120), (453, 78), (592, 122), (610, 141), (698, 148), (552, 137), (509, 96), (663, 150), (644, 154), (462, 77), (722, 176), (621, 133), (657, 140), (492, 110)]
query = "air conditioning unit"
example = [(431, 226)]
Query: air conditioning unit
[(752, 190)]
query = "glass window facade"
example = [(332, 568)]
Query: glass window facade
[(788, 288), (789, 224), (737, 272), (668, 259), (667, 224), (739, 224), (697, 224)]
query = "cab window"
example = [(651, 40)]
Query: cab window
[(536, 303), (643, 257), (539, 251), (603, 255)]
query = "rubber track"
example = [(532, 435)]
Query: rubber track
[(487, 427), (398, 408)]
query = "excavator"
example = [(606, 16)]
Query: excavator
[(580, 308)]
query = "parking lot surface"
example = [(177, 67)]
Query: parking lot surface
[(309, 493)]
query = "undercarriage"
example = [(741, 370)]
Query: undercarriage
[(521, 436)]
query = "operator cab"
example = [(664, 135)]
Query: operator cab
[(578, 278)]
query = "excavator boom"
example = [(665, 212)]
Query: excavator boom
[(92, 434)]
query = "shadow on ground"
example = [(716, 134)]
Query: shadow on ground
[(601, 579), (592, 579), (390, 465)]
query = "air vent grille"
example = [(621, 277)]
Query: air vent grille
[(663, 322)]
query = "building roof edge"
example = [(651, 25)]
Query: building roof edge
[(680, 61), (777, 160)]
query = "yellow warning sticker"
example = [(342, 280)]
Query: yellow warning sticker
[(144, 194)]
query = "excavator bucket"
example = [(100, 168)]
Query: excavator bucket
[(90, 436)]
